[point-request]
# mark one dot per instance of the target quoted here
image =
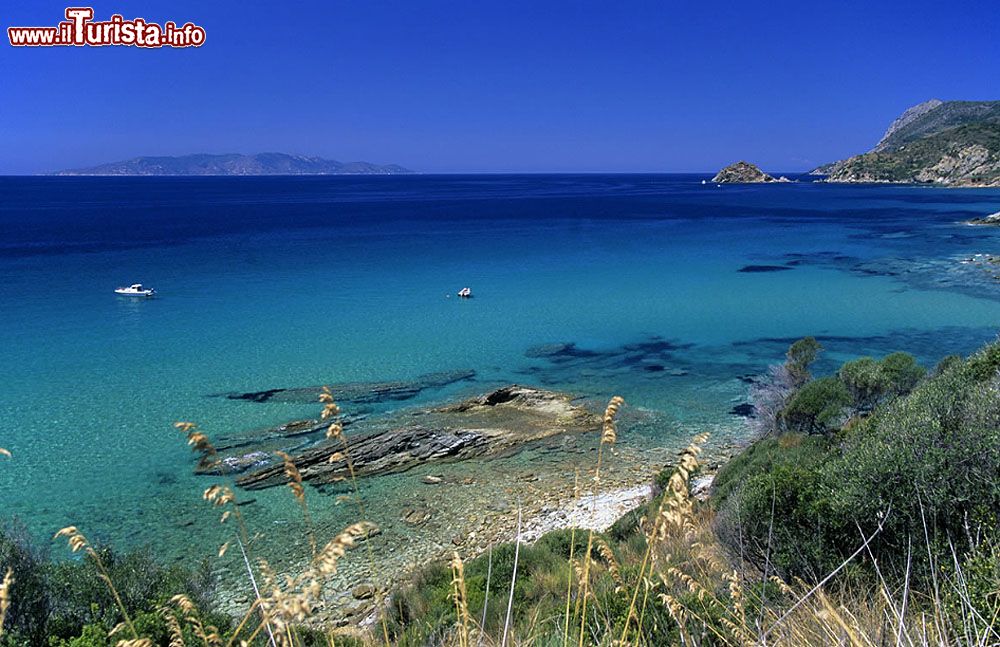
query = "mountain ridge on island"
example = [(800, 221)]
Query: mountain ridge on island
[(235, 164), (949, 143)]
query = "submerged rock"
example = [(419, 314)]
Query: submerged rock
[(358, 392), (496, 422), (759, 269)]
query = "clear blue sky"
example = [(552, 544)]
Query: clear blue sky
[(505, 86)]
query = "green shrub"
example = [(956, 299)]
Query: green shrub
[(978, 585), (925, 465), (818, 407), (799, 358), (67, 602), (764, 455), (928, 460), (871, 382)]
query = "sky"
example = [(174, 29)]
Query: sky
[(495, 86)]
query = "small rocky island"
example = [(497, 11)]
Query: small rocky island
[(744, 173), (992, 219)]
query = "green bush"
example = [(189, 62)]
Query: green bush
[(871, 382), (764, 455), (818, 407), (67, 603), (925, 465), (799, 358), (930, 459)]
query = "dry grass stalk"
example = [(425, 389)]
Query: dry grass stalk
[(174, 631), (572, 546), (674, 513), (609, 435), (198, 442), (5, 585), (461, 599), (336, 432), (298, 489)]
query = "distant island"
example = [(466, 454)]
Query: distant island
[(237, 164), (954, 143), (745, 173)]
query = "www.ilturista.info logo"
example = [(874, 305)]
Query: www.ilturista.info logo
[(79, 29)]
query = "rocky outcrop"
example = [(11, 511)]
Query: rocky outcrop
[(500, 421), (992, 219), (902, 121), (744, 173), (970, 161)]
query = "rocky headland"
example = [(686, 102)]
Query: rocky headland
[(948, 143)]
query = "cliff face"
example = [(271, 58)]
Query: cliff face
[(742, 173), (955, 143)]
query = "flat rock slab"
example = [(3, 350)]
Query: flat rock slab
[(490, 424)]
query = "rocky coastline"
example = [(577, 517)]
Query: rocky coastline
[(471, 470)]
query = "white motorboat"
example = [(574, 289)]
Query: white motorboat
[(465, 293), (135, 290)]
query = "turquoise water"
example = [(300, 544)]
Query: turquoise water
[(284, 282)]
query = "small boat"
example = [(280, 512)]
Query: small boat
[(135, 290), (465, 293)]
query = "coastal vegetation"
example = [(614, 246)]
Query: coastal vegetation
[(864, 512)]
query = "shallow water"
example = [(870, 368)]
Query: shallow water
[(285, 282)]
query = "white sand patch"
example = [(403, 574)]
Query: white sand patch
[(589, 512)]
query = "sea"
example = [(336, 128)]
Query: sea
[(667, 290)]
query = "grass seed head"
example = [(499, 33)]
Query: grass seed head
[(609, 432), (5, 586)]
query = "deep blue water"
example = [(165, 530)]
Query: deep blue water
[(282, 282)]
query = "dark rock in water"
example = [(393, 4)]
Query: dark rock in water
[(745, 410), (559, 350), (653, 346), (358, 392), (755, 269), (566, 362), (502, 420), (256, 396), (549, 350)]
